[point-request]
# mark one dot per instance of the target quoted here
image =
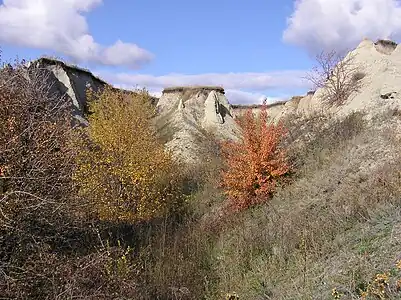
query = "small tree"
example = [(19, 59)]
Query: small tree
[(255, 163), (338, 75), (123, 170)]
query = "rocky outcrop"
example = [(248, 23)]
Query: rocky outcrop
[(187, 116), (379, 91), (379, 67), (71, 81)]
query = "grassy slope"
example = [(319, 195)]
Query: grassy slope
[(335, 226)]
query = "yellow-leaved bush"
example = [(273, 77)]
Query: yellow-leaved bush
[(123, 170)]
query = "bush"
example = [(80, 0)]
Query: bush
[(256, 162), (36, 163), (52, 243), (122, 169), (339, 76)]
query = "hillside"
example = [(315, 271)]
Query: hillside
[(336, 226), (333, 231), (111, 215)]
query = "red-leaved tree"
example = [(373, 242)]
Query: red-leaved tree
[(255, 163)]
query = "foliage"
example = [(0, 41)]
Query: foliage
[(122, 168), (385, 285), (49, 248), (309, 233), (255, 163)]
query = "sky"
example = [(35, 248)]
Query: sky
[(254, 48)]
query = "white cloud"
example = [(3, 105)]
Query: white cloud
[(241, 97), (250, 81), (60, 25), (241, 88), (341, 24)]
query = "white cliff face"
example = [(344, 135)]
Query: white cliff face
[(62, 76), (213, 111), (218, 116), (188, 116), (378, 99), (381, 87), (379, 92), (71, 82)]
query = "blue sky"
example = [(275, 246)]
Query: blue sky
[(253, 48)]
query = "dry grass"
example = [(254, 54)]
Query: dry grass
[(250, 106), (385, 46), (335, 226), (310, 138)]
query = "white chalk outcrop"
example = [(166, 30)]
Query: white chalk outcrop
[(187, 116), (69, 81), (380, 86), (72, 82), (380, 89)]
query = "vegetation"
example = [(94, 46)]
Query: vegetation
[(36, 196), (333, 226), (338, 75), (122, 168), (98, 213), (255, 163), (94, 212)]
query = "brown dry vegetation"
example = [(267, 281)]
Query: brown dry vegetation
[(54, 244), (334, 225), (193, 89)]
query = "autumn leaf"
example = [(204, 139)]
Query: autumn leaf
[(255, 163)]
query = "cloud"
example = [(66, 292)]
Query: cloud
[(241, 88), (341, 24), (61, 26), (241, 97), (250, 81)]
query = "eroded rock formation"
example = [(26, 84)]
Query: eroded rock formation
[(189, 115)]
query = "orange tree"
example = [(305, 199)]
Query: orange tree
[(123, 170), (254, 163)]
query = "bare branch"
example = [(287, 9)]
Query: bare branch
[(338, 76)]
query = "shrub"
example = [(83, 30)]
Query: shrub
[(36, 156), (36, 162), (255, 163), (123, 170), (339, 76)]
